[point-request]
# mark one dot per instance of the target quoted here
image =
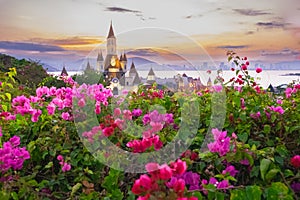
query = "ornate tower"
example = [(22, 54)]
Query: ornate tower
[(100, 67), (151, 76), (111, 45)]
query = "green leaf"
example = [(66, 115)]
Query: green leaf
[(238, 195), (8, 95), (4, 108), (243, 137), (264, 166), (49, 165), (14, 195), (288, 173), (271, 174), (198, 195), (278, 191), (253, 192), (267, 129), (75, 188)]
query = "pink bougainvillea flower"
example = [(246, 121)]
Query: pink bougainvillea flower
[(108, 131), (51, 108), (288, 92), (156, 126), (35, 115), (165, 172), (81, 103), (97, 108), (178, 167), (295, 161), (127, 114), (66, 167), (218, 88), (279, 101), (230, 170), (137, 112), (15, 141), (141, 185), (117, 112), (65, 116), (244, 67), (258, 70), (221, 144), (179, 186)]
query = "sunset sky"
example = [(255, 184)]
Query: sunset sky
[(63, 31)]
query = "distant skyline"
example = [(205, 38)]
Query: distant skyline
[(63, 32)]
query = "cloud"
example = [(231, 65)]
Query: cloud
[(232, 46), (122, 10), (143, 52), (251, 12), (69, 41), (193, 16), (272, 24), (249, 32), (23, 46), (283, 52), (149, 52)]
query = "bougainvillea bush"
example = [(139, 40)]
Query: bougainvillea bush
[(244, 141)]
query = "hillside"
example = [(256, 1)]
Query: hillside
[(29, 73)]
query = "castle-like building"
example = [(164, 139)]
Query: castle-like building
[(113, 67)]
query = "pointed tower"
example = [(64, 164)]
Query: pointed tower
[(111, 45), (209, 82), (123, 61), (64, 71), (88, 66), (132, 71), (151, 76), (100, 67)]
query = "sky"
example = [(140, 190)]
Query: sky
[(61, 32)]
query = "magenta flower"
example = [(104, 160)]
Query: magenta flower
[(51, 108), (221, 144), (288, 92), (35, 115), (218, 88), (295, 161), (15, 141), (230, 170), (156, 126), (81, 103), (65, 116), (258, 70), (66, 167), (127, 114), (137, 112)]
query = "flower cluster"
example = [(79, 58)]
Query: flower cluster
[(12, 156), (221, 145), (162, 176), (62, 99), (64, 165), (295, 161), (150, 138)]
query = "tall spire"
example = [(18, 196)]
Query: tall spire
[(100, 57), (111, 31)]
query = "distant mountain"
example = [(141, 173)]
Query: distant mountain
[(49, 68), (139, 61)]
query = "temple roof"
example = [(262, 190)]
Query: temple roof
[(64, 72), (151, 72), (132, 69)]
